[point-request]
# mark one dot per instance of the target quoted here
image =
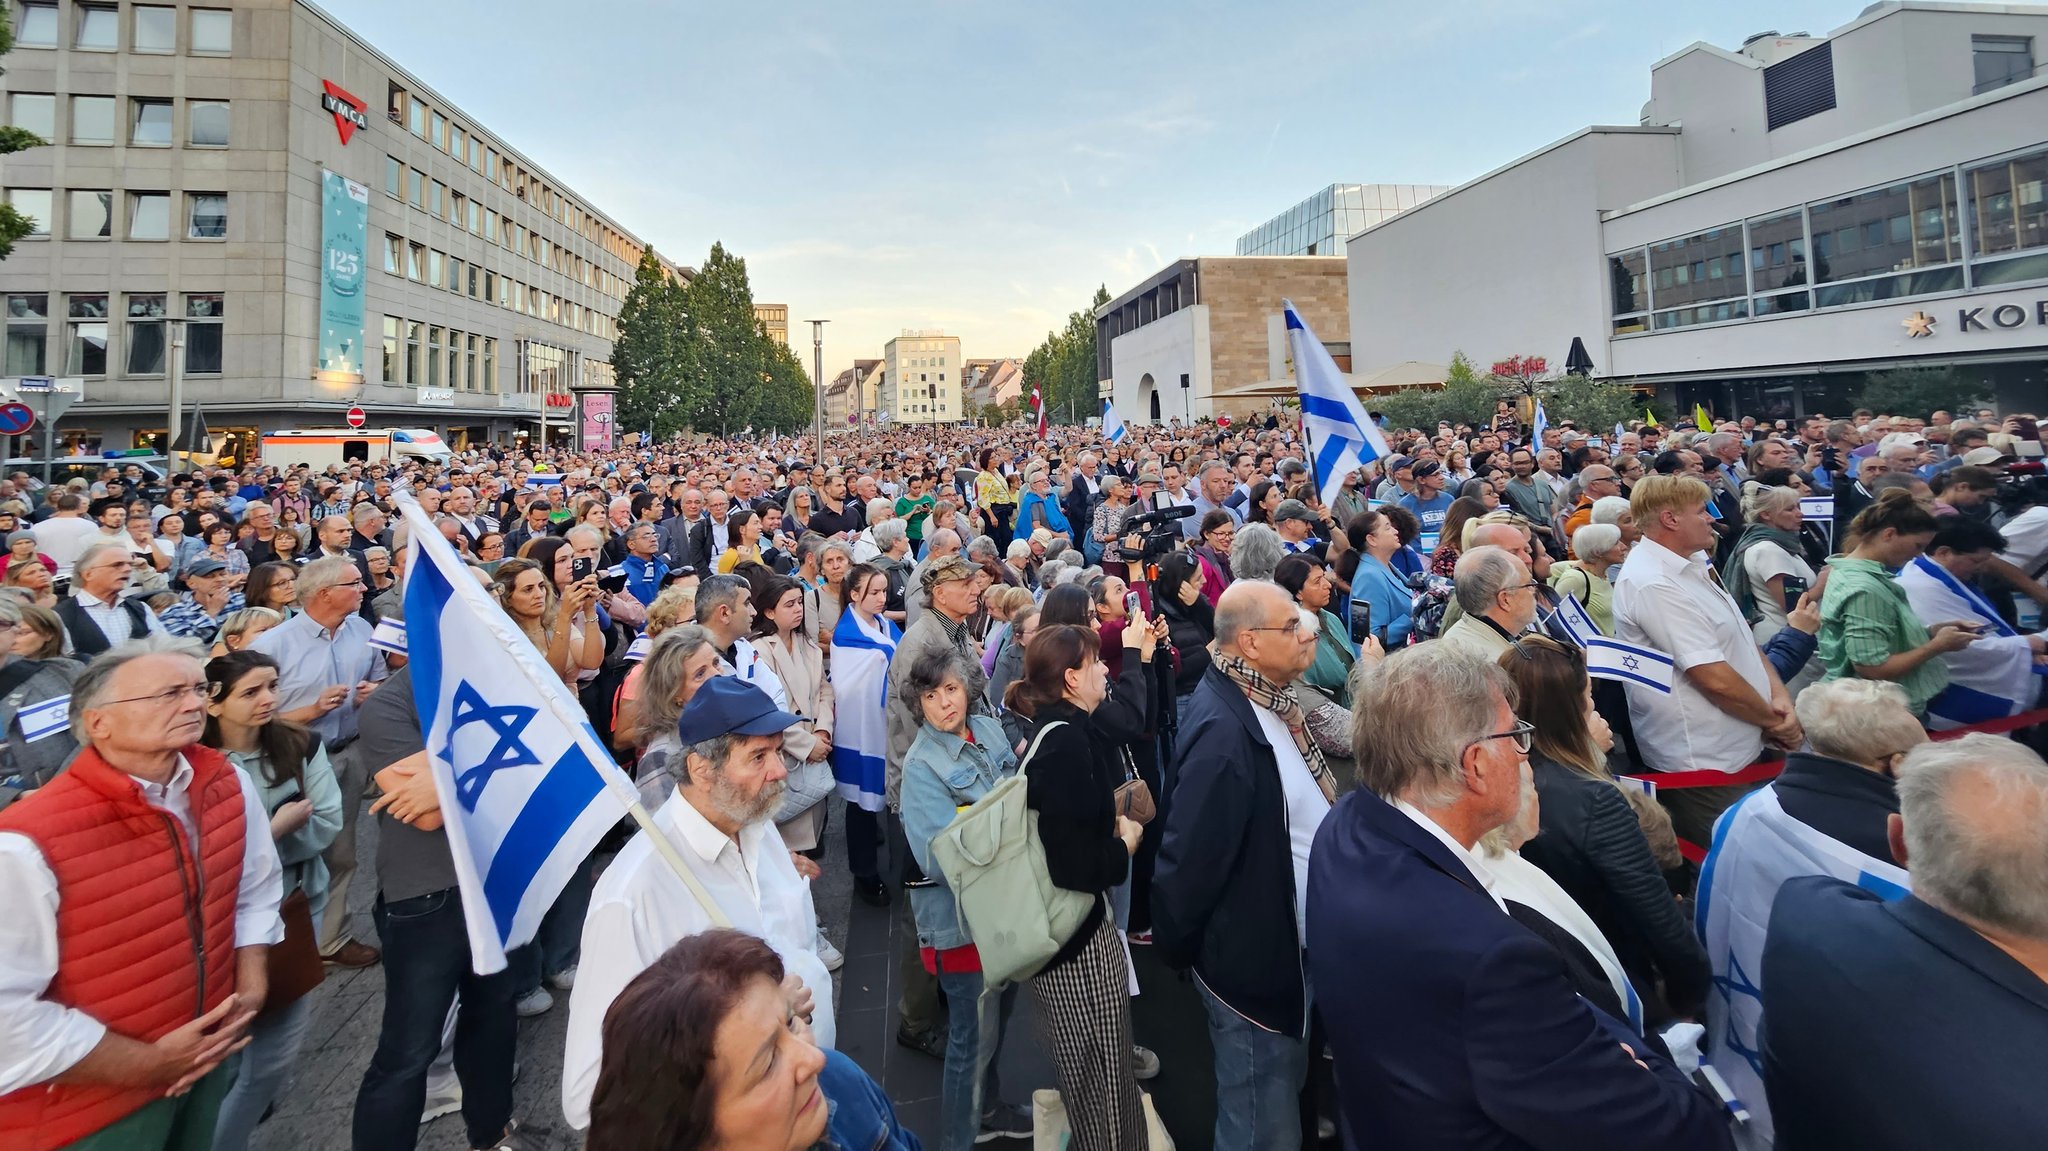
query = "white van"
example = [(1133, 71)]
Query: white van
[(320, 448)]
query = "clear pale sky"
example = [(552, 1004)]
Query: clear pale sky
[(981, 167)]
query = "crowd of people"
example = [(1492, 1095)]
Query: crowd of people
[(1349, 762)]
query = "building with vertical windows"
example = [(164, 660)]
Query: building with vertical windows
[(921, 379), (775, 321), (323, 228), (1787, 219), (1319, 225)]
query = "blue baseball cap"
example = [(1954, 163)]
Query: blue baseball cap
[(727, 705)]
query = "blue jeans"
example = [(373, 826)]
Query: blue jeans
[(974, 1034), (426, 962), (559, 941), (1259, 1076), (264, 1065)]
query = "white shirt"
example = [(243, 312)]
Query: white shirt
[(40, 1039), (2026, 539), (1474, 862), (1558, 484), (640, 908), (1666, 601), (1306, 808), (112, 619), (63, 537)]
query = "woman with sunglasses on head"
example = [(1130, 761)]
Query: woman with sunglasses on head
[(296, 783), (1596, 840)]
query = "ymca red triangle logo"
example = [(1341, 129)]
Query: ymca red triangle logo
[(350, 113)]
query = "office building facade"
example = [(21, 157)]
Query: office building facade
[(322, 228), (921, 379), (1787, 219), (1319, 225)]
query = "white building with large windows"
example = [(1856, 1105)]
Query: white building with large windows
[(184, 185), (921, 379), (1785, 219)]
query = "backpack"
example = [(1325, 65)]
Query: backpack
[(994, 862)]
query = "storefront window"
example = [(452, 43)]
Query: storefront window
[(1895, 229), (1706, 266), (1631, 289), (2009, 206)]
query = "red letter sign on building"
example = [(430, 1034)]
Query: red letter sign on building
[(349, 112)]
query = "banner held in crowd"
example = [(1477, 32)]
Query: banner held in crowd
[(1341, 438)]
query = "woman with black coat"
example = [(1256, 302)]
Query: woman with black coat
[(1592, 839), (1083, 1000), (1190, 620)]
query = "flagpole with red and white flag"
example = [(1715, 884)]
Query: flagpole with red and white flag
[(1038, 405)]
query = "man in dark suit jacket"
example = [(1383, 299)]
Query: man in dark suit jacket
[(1453, 1025), (1921, 1023), (1079, 502)]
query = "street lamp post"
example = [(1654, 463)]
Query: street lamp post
[(818, 390), (177, 380)]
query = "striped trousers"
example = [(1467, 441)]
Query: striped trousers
[(1084, 1021)]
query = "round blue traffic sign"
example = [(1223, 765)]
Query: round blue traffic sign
[(16, 418)]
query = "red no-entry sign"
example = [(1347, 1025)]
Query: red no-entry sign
[(357, 417)]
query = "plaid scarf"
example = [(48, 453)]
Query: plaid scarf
[(1277, 699)]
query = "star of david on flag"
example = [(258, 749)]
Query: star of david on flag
[(1613, 659), (526, 786), (1341, 438)]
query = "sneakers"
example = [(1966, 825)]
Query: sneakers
[(1140, 938), (535, 1002), (829, 954), (442, 1099), (563, 980), (354, 954), (518, 1138), (1005, 1121), (1144, 1064), (929, 1042)]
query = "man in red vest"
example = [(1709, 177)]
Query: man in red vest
[(142, 894)]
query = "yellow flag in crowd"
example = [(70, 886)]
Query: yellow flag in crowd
[(1699, 416)]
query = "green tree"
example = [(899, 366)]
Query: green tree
[(1590, 403), (1063, 367), (1467, 397), (1918, 392), (787, 397), (730, 348), (652, 354), (13, 225)]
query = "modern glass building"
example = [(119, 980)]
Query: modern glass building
[(1319, 225)]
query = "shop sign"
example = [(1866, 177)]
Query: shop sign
[(437, 397), (1982, 318), (350, 113)]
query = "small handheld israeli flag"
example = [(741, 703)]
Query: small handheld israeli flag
[(1613, 659), (1112, 424), (1341, 438), (1575, 621), (389, 636), (1542, 421), (526, 786)]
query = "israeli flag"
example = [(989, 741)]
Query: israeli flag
[(1542, 422), (1613, 659), (389, 636), (527, 788), (1341, 438), (1575, 621), (544, 480), (1112, 424)]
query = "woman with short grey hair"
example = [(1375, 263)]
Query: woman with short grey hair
[(1255, 552)]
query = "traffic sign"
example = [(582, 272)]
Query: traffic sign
[(16, 419), (357, 417), (36, 384)]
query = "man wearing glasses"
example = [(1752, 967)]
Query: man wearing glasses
[(326, 668), (1231, 884), (1452, 1024), (124, 998), (1496, 599), (97, 618)]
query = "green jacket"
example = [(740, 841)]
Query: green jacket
[(1331, 672), (1865, 620)]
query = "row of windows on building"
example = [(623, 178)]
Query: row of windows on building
[(438, 269), (152, 28), (95, 121), (436, 199), (1909, 239), (423, 355), (87, 347), (471, 151), (89, 213)]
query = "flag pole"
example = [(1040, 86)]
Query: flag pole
[(674, 859)]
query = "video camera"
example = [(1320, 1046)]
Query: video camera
[(1157, 528), (2023, 485)]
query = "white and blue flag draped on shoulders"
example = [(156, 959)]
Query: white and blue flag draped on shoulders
[(1341, 438), (1995, 677), (1113, 428), (860, 684), (526, 786), (1757, 847)]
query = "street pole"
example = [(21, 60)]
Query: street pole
[(818, 389), (177, 374)]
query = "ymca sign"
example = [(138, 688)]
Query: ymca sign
[(1982, 318), (349, 112)]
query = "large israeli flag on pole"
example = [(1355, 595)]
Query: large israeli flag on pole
[(1341, 437), (527, 788), (1112, 424)]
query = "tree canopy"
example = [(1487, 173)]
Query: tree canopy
[(1063, 368)]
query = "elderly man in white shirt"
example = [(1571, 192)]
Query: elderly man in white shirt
[(1727, 703), (719, 827)]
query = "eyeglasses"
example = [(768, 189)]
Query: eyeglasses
[(1523, 734), (170, 698), (1292, 627)]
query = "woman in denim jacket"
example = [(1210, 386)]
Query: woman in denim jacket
[(955, 760)]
